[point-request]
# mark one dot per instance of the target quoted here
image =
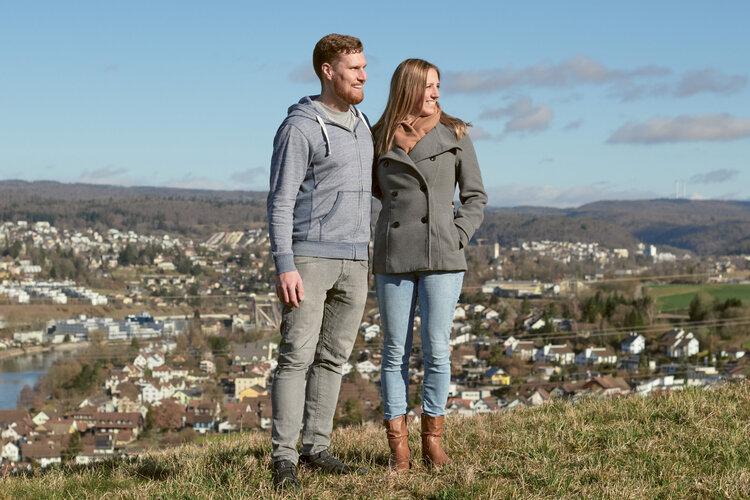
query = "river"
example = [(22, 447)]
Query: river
[(17, 372)]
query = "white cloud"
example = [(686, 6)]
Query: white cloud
[(552, 196), (574, 71), (576, 124), (255, 177), (685, 128), (715, 176), (625, 84), (479, 133), (106, 175), (709, 80), (190, 182), (525, 116), (304, 73)]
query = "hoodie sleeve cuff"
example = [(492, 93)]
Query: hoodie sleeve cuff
[(284, 263)]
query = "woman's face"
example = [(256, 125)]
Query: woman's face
[(431, 94)]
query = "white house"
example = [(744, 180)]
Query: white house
[(561, 354), (207, 366), (491, 314), (462, 339), (367, 367), (470, 395), (459, 313), (151, 393), (371, 332), (42, 417), (10, 433), (149, 361), (523, 349), (26, 337), (163, 373), (477, 308), (11, 452), (680, 344), (634, 343), (593, 355)]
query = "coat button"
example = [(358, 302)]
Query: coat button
[(394, 193), (432, 158), (385, 164), (424, 220), (423, 188), (396, 224)]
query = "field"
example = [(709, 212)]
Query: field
[(675, 298), (687, 444)]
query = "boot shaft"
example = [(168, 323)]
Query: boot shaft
[(432, 434), (398, 442)]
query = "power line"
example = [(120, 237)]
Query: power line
[(617, 280)]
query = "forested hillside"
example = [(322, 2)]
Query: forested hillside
[(704, 227)]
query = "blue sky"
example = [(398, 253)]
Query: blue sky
[(571, 102)]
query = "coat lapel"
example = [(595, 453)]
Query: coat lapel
[(438, 140)]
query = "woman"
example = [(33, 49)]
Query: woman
[(422, 154)]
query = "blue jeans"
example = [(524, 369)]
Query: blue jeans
[(437, 293)]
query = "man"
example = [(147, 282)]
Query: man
[(319, 222)]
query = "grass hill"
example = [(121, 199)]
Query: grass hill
[(689, 444)]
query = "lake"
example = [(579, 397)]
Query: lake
[(15, 373)]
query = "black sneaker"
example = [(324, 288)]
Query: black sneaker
[(285, 475), (325, 462)]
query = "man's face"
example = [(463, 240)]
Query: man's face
[(348, 76)]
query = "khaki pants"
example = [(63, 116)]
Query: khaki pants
[(316, 340)]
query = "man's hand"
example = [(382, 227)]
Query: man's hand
[(289, 288)]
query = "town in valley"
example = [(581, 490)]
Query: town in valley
[(173, 340)]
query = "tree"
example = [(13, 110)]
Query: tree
[(497, 354), (219, 346), (699, 309), (26, 397), (148, 424), (128, 256), (167, 416), (73, 449), (525, 305), (352, 412), (354, 375), (135, 346)]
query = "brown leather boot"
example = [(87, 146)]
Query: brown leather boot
[(432, 433), (398, 441)]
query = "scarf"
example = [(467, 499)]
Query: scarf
[(410, 131)]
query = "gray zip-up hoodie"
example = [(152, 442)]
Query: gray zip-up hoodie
[(319, 200)]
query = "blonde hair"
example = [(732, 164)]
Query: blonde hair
[(407, 89)]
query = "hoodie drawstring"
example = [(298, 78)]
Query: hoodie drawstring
[(325, 135), (325, 130)]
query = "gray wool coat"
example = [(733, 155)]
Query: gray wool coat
[(417, 229)]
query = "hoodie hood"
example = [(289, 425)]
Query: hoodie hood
[(306, 108)]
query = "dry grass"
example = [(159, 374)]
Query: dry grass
[(691, 444)]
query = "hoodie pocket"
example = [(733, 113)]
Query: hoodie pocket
[(344, 219)]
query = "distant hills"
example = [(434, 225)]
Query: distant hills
[(704, 227), (192, 213)]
